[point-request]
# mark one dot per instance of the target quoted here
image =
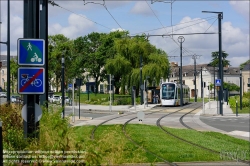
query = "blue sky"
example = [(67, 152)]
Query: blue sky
[(144, 16)]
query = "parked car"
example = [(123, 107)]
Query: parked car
[(66, 99), (16, 99), (56, 99), (3, 94)]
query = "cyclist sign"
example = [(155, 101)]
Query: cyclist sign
[(31, 80), (30, 52)]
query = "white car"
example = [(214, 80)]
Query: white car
[(66, 99), (3, 94), (56, 99)]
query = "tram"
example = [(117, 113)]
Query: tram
[(170, 94)]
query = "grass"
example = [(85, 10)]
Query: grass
[(169, 148), (245, 110)]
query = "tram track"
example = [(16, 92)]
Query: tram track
[(202, 147)]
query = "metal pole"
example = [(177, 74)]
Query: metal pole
[(214, 83), (181, 39), (110, 101), (134, 99), (220, 74), (240, 90), (220, 63), (88, 86), (195, 94), (236, 108), (63, 98), (144, 96), (201, 84), (141, 79), (79, 96), (1, 144), (203, 104), (8, 53), (73, 101)]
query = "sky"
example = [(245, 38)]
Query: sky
[(160, 18)]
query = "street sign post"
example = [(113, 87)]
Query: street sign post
[(218, 82), (31, 52), (31, 80)]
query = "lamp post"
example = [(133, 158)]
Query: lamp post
[(181, 39), (220, 17)]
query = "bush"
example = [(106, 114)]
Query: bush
[(245, 101)]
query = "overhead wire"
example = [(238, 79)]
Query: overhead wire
[(208, 18), (104, 5), (54, 4)]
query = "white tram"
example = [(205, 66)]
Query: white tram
[(170, 94)]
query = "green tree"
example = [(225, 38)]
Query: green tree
[(244, 64), (93, 50), (215, 59), (13, 73), (58, 47), (125, 66)]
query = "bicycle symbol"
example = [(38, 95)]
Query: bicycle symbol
[(35, 58), (26, 78)]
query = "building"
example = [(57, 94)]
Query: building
[(246, 78), (209, 75)]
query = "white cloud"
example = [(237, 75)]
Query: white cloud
[(117, 29), (75, 28), (141, 8), (234, 42), (241, 7)]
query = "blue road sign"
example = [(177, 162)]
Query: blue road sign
[(31, 80), (218, 82), (30, 52), (70, 85)]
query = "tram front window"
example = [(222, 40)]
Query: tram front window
[(168, 91)]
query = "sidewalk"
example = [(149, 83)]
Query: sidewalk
[(116, 108), (212, 109)]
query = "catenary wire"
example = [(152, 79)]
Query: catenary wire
[(54, 4)]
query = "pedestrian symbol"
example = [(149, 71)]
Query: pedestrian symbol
[(218, 82), (31, 52)]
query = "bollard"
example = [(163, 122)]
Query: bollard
[(1, 144), (236, 108)]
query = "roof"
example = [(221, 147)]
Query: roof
[(246, 67), (189, 70)]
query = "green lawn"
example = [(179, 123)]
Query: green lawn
[(245, 110), (114, 147)]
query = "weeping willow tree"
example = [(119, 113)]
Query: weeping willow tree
[(125, 66)]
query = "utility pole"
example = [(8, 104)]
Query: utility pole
[(220, 74), (181, 39), (194, 57)]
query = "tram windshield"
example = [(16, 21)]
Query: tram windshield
[(168, 91)]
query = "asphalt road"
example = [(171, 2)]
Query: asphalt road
[(227, 124)]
